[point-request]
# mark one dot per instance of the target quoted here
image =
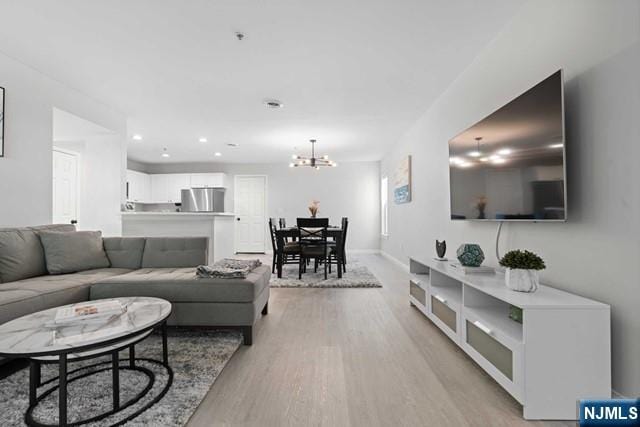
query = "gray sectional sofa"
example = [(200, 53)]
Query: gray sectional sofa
[(158, 267)]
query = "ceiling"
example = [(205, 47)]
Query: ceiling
[(353, 74)]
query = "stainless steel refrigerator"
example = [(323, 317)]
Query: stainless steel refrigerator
[(203, 200)]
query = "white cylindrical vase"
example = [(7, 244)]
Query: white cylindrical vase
[(521, 280)]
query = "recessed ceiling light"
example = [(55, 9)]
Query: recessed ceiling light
[(202, 140), (498, 161), (232, 144), (217, 154), (164, 153), (137, 137), (474, 153), (484, 159), (455, 160), (464, 164), (504, 151), (272, 103), (556, 146)]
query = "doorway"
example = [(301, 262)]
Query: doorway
[(65, 186), (250, 200)]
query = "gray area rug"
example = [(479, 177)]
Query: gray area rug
[(197, 358), (357, 276)]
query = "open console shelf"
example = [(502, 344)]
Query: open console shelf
[(560, 353)]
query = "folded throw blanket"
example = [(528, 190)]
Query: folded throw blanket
[(228, 269)]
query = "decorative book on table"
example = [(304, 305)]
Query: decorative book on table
[(463, 269), (87, 311)]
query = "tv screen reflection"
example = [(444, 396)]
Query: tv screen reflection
[(510, 165)]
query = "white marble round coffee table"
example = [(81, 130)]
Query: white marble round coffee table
[(31, 337)]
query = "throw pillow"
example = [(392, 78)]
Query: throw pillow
[(72, 252)]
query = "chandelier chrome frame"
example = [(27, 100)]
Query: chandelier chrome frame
[(313, 161)]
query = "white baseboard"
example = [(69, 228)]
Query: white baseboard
[(395, 260)]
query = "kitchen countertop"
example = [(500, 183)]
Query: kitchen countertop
[(183, 214)]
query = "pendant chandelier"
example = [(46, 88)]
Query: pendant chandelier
[(312, 161)]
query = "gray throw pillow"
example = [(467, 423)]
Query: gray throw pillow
[(75, 251)]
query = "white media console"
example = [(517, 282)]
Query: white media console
[(560, 353)]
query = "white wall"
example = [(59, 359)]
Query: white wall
[(597, 252), (26, 169), (351, 190), (99, 197)]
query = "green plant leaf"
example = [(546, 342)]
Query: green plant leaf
[(522, 259)]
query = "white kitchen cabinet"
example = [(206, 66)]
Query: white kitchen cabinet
[(166, 187), (160, 188), (176, 183), (208, 180), (138, 186)]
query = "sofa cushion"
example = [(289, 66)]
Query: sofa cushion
[(182, 285), (124, 252), (71, 252), (176, 252), (21, 253), (39, 293)]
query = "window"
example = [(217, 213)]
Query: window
[(384, 206)]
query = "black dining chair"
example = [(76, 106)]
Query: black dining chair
[(282, 223), (290, 251), (312, 237), (335, 250)]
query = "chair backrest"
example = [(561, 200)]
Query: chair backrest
[(313, 222), (345, 226), (272, 233), (282, 222), (313, 231)]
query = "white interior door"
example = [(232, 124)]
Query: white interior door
[(251, 223), (65, 187)]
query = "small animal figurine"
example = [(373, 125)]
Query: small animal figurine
[(441, 249)]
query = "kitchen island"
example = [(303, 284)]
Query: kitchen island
[(217, 226)]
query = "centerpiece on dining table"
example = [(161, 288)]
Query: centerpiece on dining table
[(313, 208)]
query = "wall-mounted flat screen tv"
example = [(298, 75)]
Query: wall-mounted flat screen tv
[(510, 166)]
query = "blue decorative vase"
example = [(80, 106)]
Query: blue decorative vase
[(470, 255)]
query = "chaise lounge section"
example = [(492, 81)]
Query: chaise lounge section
[(201, 302), (138, 266)]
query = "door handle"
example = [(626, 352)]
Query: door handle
[(74, 221)]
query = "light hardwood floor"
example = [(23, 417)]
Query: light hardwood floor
[(354, 357)]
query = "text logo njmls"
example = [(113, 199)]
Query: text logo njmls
[(610, 413)]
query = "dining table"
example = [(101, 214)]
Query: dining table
[(282, 234)]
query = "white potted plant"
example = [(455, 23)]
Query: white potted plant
[(522, 270)]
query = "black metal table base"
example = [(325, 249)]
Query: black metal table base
[(115, 366)]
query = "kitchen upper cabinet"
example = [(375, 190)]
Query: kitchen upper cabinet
[(167, 187), (208, 180), (138, 186), (160, 188), (177, 183)]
